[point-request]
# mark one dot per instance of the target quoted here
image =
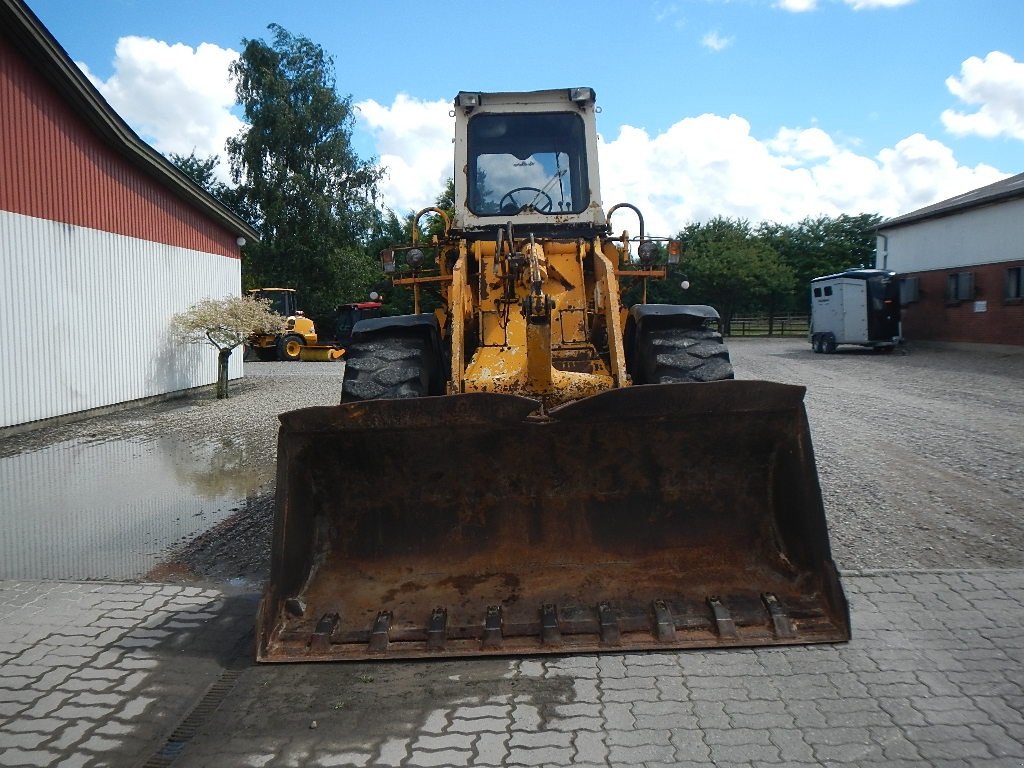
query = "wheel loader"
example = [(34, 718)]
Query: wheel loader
[(533, 467), (299, 332)]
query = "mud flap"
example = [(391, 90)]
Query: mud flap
[(662, 516)]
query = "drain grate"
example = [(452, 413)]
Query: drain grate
[(190, 726)]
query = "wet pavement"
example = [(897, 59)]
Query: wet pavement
[(159, 675), (111, 508)]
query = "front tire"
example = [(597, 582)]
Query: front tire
[(680, 355), (388, 367), (289, 348)]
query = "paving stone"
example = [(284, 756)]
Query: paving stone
[(744, 754), (448, 757), (641, 754), (998, 740), (479, 725), (590, 748), (540, 756), (967, 749), (392, 752), (445, 741), (791, 745), (637, 737), (492, 748), (33, 757)]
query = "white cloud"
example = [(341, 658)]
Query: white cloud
[(709, 165), (995, 85), (861, 5), (803, 6), (798, 6), (414, 143), (700, 167), (177, 97), (715, 41)]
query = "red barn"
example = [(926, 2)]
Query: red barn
[(102, 240)]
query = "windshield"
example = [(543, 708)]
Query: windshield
[(527, 162)]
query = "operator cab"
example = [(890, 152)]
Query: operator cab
[(529, 159)]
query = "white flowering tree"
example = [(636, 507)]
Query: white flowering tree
[(225, 324)]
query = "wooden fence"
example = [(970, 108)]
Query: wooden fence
[(763, 325)]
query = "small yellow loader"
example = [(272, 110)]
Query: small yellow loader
[(299, 331)]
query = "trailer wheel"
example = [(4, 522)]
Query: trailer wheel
[(388, 367), (828, 344), (816, 344), (678, 355)]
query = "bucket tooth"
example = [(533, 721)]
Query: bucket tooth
[(492, 628), (379, 635), (320, 640), (609, 618), (550, 634), (780, 620), (724, 624), (664, 623), (437, 630)]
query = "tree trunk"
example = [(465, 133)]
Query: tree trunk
[(222, 373)]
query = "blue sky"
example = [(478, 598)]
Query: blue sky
[(764, 109)]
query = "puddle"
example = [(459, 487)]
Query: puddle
[(88, 510)]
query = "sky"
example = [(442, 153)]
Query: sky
[(765, 110)]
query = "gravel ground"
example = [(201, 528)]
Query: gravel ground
[(920, 455)]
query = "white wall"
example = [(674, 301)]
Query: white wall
[(85, 317), (985, 235)]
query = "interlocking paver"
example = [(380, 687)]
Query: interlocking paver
[(913, 687)]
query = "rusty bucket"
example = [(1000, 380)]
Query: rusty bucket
[(650, 517)]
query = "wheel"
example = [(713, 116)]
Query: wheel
[(828, 344), (674, 355), (816, 344), (290, 347), (265, 354), (515, 207), (389, 367)]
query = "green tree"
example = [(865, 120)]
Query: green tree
[(731, 268), (822, 246), (225, 324), (300, 183), (203, 171)]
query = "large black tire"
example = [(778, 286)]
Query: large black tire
[(679, 355), (388, 367), (265, 354)]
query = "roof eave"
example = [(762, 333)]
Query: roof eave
[(63, 74)]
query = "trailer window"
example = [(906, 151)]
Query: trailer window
[(535, 161), (828, 290), (817, 293)]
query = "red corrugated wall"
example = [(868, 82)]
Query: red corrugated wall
[(54, 166)]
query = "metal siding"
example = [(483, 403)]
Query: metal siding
[(972, 238), (57, 168), (91, 311)]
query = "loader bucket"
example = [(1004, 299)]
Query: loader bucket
[(662, 516)]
